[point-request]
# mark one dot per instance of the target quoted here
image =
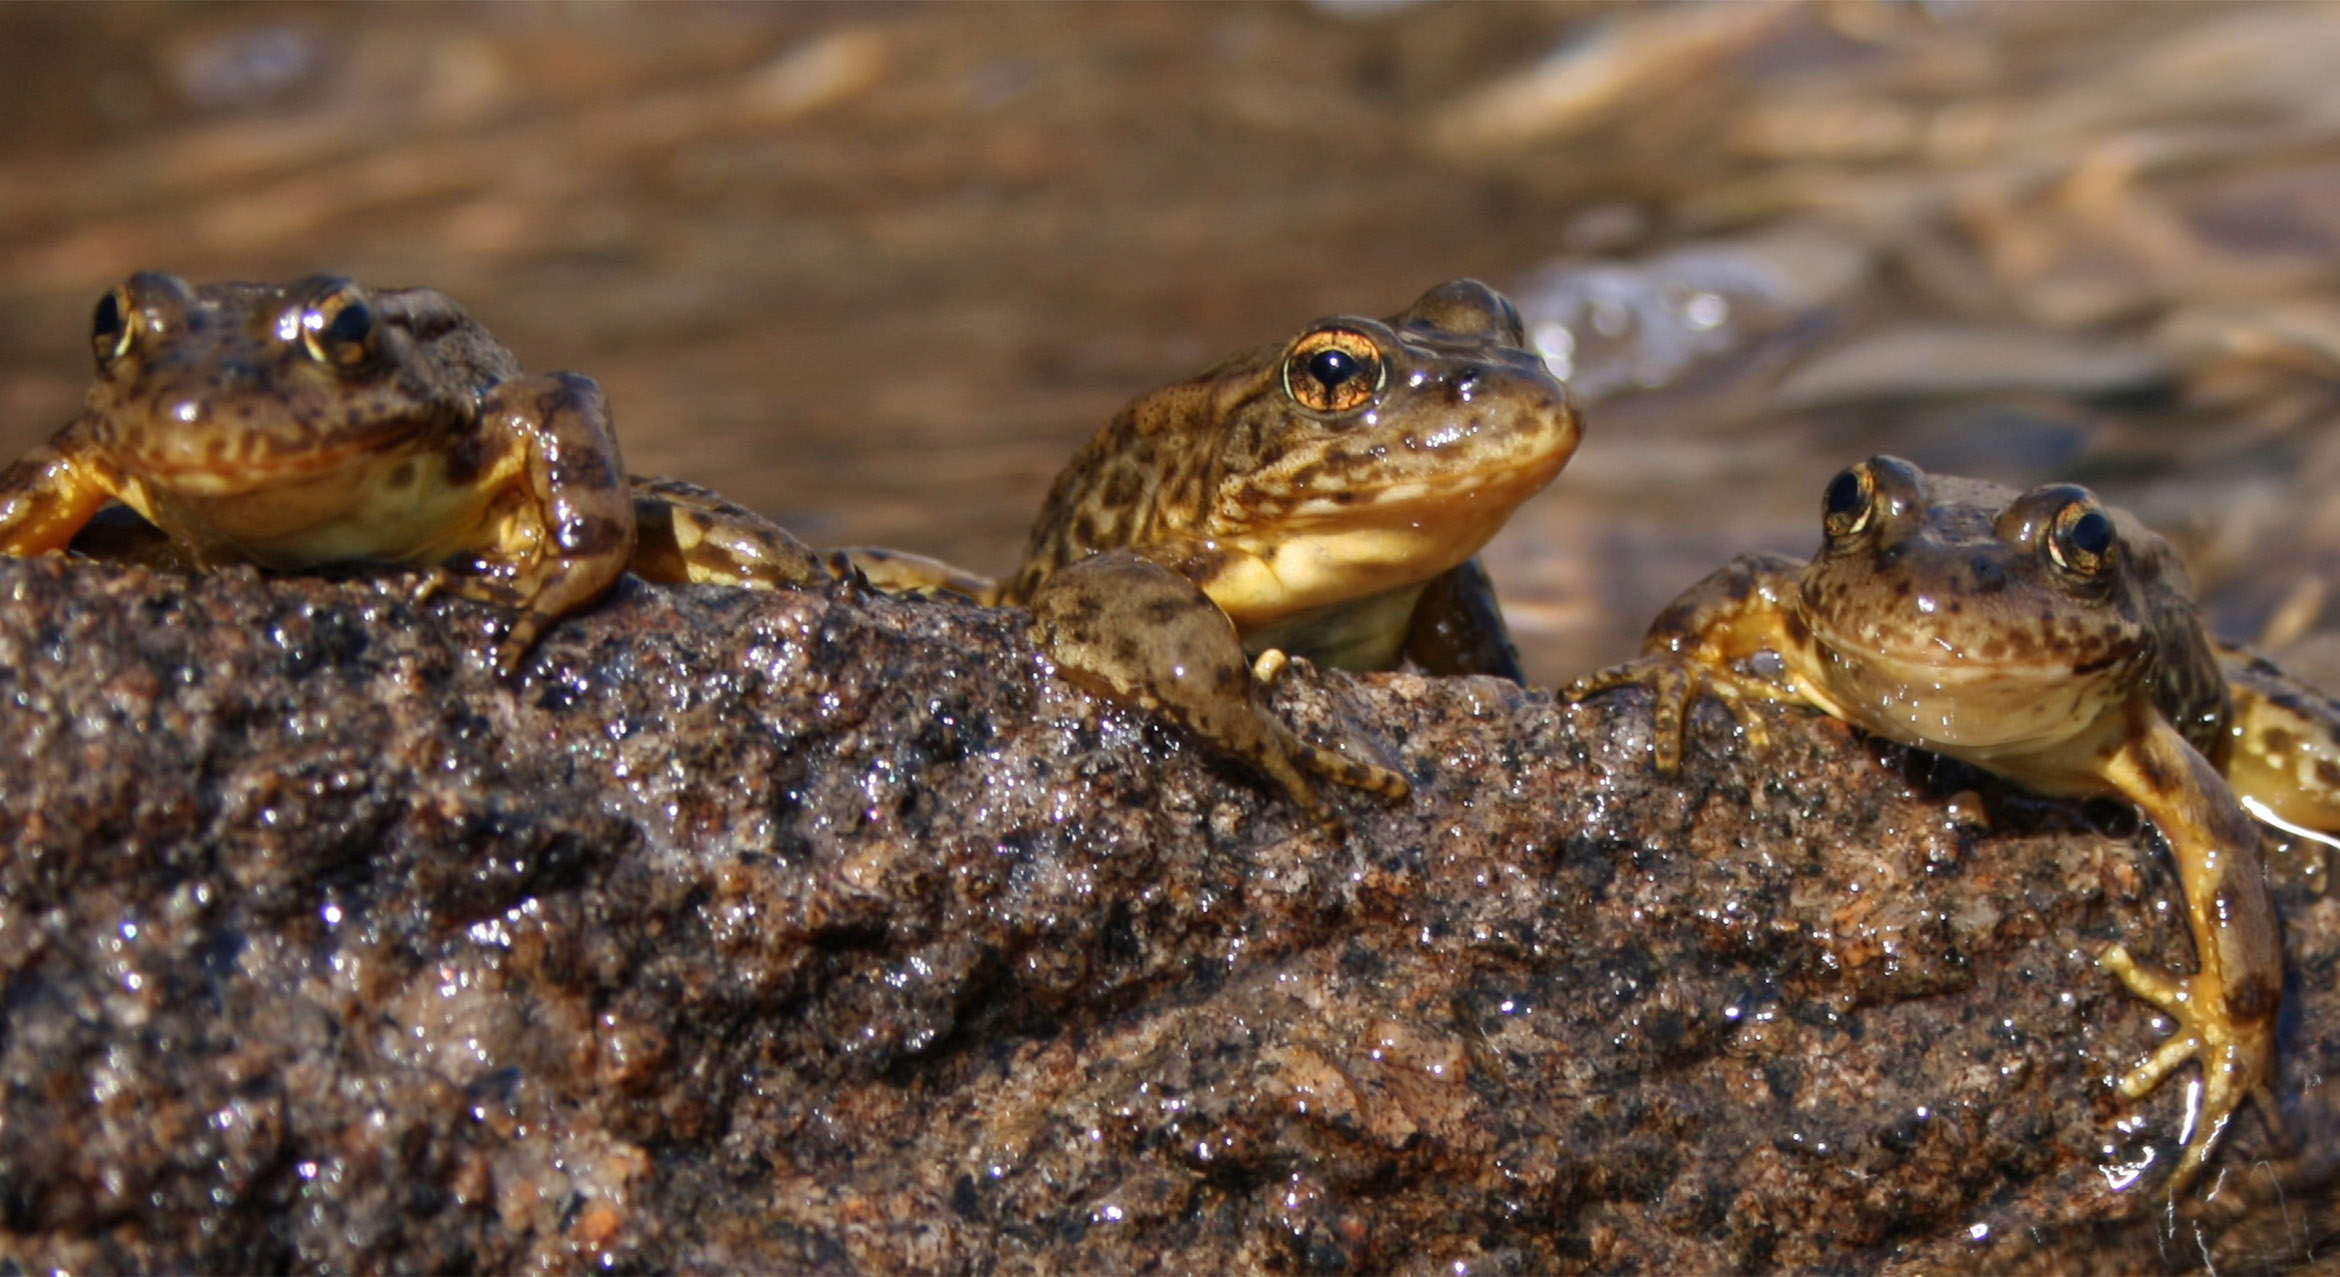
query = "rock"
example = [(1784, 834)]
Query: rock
[(827, 931)]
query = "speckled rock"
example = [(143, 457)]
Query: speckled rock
[(825, 931)]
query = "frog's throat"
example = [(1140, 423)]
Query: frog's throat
[(257, 467), (1471, 506), (1968, 707), (1264, 579)]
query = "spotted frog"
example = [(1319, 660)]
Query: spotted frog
[(322, 422), (1319, 499), (2052, 640)]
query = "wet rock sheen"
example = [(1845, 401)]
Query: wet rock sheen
[(815, 930)]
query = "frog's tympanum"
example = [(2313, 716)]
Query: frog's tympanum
[(321, 422), (2052, 640), (1318, 499)]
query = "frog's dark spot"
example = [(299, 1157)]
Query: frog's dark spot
[(465, 460), (2256, 998), (2278, 740), (1204, 566), (2328, 773), (592, 535), (402, 474), (2157, 778), (1164, 611), (1124, 486)]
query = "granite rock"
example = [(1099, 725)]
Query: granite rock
[(827, 931)]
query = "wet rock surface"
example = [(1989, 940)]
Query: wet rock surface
[(825, 931)]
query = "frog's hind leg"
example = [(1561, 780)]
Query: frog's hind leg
[(2226, 1011), (50, 493), (686, 534), (896, 572), (1457, 627), (573, 532), (2283, 759), (1136, 632)]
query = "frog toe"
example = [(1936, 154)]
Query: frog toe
[(1346, 771), (2237, 1055), (517, 641)]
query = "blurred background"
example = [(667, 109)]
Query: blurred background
[(875, 270)]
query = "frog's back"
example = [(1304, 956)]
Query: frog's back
[(1145, 476)]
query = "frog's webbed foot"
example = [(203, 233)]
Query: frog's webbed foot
[(1332, 765), (2226, 1012), (1136, 632), (2237, 1054), (1675, 684), (1693, 647), (686, 534)]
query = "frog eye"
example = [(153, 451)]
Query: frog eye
[(340, 329), (1845, 507), (1334, 370), (2082, 539), (109, 328)]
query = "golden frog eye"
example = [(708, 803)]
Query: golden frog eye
[(1846, 506), (2082, 539), (109, 327), (339, 328), (1334, 370)]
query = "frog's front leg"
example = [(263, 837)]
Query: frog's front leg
[(572, 527), (686, 534), (50, 492), (1134, 631), (1457, 627), (1693, 647), (2226, 1010)]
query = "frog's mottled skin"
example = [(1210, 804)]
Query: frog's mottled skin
[(2054, 641), (321, 422), (1319, 499)]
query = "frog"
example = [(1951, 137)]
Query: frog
[(1317, 501), (2052, 640), (321, 422)]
